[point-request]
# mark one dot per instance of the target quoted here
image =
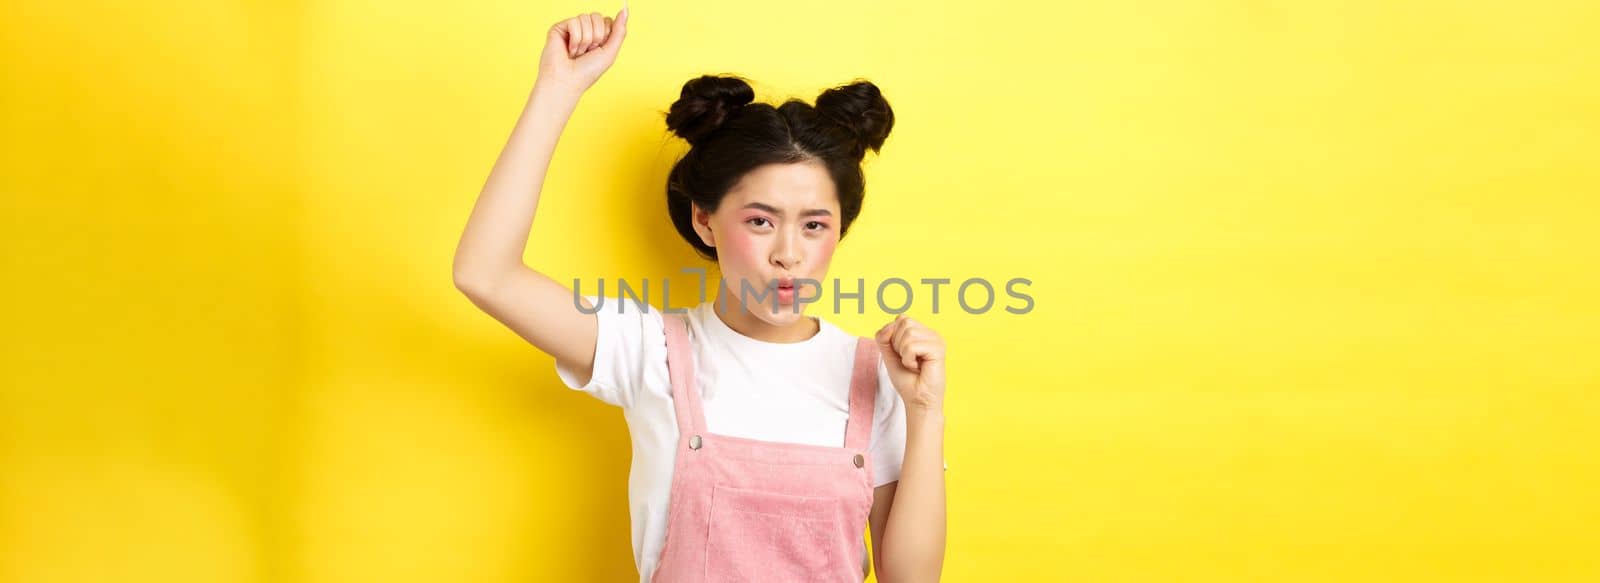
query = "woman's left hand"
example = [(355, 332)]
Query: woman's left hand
[(914, 355)]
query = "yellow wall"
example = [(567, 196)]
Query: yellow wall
[(1315, 283)]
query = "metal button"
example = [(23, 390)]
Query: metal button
[(694, 442), (860, 461)]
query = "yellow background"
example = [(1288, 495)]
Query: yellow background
[(1315, 283)]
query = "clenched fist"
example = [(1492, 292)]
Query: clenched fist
[(579, 49), (914, 355)]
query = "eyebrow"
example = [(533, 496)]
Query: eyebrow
[(773, 210)]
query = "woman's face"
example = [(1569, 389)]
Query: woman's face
[(780, 221)]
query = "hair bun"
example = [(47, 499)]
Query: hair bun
[(705, 103), (860, 108)]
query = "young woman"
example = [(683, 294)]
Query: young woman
[(763, 439)]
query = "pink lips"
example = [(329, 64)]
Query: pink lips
[(786, 290)]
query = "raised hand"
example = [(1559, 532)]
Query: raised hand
[(579, 49)]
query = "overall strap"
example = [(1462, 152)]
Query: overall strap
[(680, 369), (863, 395)]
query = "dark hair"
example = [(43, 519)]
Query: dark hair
[(729, 136)]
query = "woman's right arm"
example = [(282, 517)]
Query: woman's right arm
[(488, 266)]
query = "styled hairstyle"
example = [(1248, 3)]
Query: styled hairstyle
[(729, 136)]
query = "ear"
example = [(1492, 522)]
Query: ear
[(702, 225)]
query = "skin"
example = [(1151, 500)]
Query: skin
[(778, 221), (754, 244)]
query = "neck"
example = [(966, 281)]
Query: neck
[(737, 316)]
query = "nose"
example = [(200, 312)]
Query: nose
[(787, 252)]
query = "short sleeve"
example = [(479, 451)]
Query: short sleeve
[(888, 447), (628, 335)]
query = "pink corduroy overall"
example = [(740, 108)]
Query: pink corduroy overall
[(751, 510)]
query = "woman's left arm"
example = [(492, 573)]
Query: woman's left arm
[(910, 543)]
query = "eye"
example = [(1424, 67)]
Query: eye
[(753, 220), (817, 225)]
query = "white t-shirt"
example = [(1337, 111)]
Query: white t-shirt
[(787, 392)]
